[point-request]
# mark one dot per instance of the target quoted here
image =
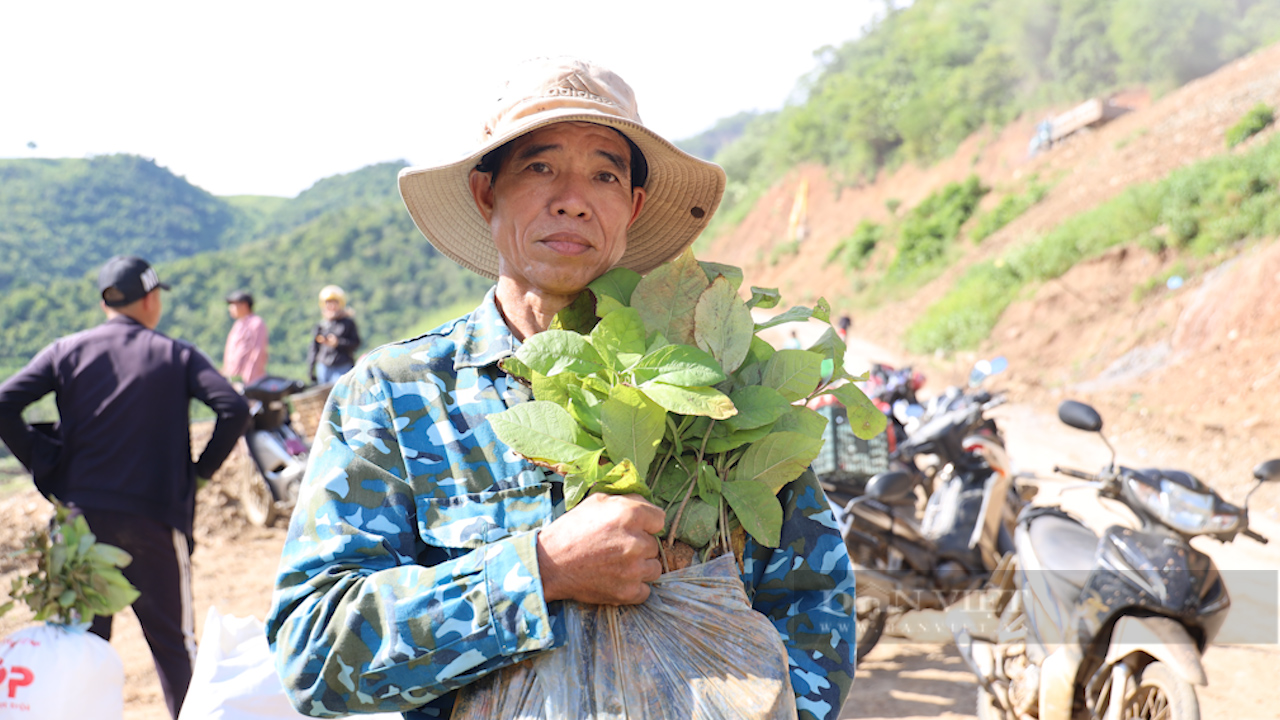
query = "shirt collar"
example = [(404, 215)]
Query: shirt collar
[(486, 337)]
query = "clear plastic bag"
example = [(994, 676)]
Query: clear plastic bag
[(694, 649)]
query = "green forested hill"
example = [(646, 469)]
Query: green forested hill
[(927, 76), (62, 218), (350, 230)]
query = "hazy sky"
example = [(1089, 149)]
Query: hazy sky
[(267, 97)]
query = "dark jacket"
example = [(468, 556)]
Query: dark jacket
[(342, 356), (123, 441)]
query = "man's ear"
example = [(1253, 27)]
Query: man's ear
[(482, 192), (637, 204)]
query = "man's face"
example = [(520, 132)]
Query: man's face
[(560, 205), (238, 310)]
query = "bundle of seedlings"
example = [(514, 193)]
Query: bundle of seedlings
[(659, 386), (57, 668)]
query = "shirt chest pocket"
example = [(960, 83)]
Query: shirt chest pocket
[(472, 520)]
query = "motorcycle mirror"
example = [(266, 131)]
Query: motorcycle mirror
[(1080, 416), (1268, 471), (890, 486)]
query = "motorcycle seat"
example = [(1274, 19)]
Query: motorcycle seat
[(1065, 549)]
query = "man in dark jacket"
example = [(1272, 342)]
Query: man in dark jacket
[(121, 451)]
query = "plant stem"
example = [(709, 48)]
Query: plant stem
[(675, 523)]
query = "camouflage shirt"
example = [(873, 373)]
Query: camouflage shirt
[(410, 567)]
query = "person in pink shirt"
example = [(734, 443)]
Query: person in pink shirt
[(245, 357)]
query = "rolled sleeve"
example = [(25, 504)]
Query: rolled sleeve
[(392, 593)]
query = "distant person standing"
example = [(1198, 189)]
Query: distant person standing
[(245, 356), (334, 340), (842, 327), (121, 452)]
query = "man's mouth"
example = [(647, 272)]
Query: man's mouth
[(566, 244)]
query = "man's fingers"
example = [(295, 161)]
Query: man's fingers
[(653, 570)]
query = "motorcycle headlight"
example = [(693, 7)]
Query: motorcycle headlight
[(1184, 509)]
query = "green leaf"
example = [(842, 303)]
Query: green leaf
[(554, 389), (821, 312), (607, 305), (678, 365), (584, 406), (555, 351), (729, 272), (109, 555), (619, 332), (865, 419), (776, 460), (708, 483), (698, 522), (704, 401), (579, 316), (633, 426), (757, 405), (757, 509), (668, 296), (618, 284), (622, 479), (599, 387), (829, 345), (512, 366), (723, 325), (734, 440), (543, 431), (794, 373), (764, 298), (803, 420), (575, 490), (670, 485), (760, 351)]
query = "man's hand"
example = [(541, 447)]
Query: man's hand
[(603, 551)]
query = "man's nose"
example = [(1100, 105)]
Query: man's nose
[(570, 196)]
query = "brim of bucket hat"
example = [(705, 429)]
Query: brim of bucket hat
[(682, 194)]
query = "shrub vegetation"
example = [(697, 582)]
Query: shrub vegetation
[(1203, 209)]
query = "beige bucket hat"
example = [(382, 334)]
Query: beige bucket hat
[(683, 191)]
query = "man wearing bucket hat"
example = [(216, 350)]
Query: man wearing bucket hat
[(423, 554), (121, 453)]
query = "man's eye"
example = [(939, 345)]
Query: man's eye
[(539, 167), (608, 177)]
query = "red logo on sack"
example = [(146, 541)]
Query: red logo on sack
[(18, 677)]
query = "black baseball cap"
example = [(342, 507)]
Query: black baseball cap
[(238, 296), (126, 279)]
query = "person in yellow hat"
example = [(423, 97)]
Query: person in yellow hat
[(334, 340)]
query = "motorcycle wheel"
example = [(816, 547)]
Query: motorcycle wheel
[(871, 619), (259, 506), (1161, 695)]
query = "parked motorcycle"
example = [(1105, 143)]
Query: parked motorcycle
[(278, 452), (1110, 626), (904, 562)]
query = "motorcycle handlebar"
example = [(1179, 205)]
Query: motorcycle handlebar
[(1075, 473), (1255, 536)]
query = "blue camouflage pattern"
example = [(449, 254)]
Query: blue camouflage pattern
[(410, 567)]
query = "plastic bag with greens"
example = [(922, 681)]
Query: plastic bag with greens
[(694, 649)]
